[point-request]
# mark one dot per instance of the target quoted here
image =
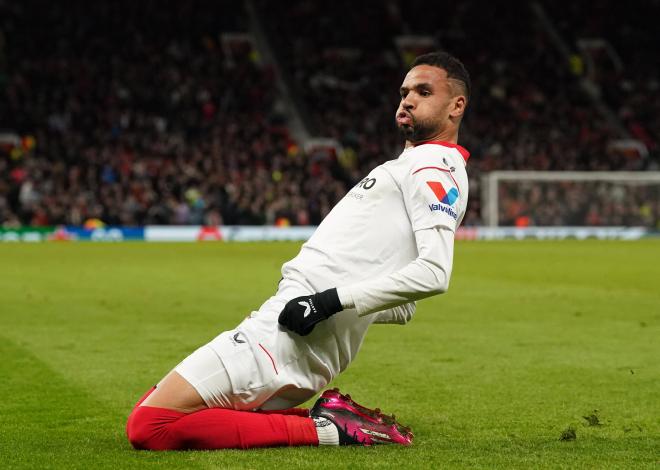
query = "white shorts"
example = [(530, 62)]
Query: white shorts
[(206, 372), (258, 365)]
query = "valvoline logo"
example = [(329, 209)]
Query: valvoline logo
[(445, 197)]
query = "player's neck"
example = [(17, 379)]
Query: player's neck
[(447, 136)]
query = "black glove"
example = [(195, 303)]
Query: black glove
[(303, 313)]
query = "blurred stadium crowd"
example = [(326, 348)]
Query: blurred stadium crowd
[(134, 113)]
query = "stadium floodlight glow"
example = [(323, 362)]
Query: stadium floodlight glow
[(571, 198)]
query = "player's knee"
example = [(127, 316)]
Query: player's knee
[(141, 430)]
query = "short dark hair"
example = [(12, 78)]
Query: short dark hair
[(450, 64)]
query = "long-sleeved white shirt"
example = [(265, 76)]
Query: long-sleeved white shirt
[(390, 239), (385, 245)]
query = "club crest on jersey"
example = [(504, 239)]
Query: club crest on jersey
[(446, 199)]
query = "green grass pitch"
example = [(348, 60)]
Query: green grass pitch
[(533, 340)]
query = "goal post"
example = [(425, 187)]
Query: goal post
[(571, 198)]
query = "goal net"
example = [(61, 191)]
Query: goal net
[(571, 199)]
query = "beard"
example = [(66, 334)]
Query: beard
[(419, 131)]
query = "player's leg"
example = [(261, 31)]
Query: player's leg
[(337, 420), (175, 393), (193, 412), (217, 428)]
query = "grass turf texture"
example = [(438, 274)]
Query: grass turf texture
[(535, 342)]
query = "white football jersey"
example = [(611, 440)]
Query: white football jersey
[(371, 231), (367, 247)]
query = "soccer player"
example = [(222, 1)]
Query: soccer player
[(385, 245)]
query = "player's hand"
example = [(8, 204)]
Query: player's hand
[(303, 313)]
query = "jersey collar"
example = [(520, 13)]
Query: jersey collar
[(464, 153)]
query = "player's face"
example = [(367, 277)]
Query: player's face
[(428, 104)]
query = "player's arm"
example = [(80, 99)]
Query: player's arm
[(427, 275), (396, 315)]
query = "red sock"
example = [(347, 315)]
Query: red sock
[(304, 412), (154, 428)]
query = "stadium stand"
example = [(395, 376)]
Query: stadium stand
[(571, 203), (527, 112), (621, 44), (139, 116), (133, 113)]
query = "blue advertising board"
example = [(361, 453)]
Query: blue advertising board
[(104, 234)]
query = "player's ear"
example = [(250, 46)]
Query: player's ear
[(457, 106)]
